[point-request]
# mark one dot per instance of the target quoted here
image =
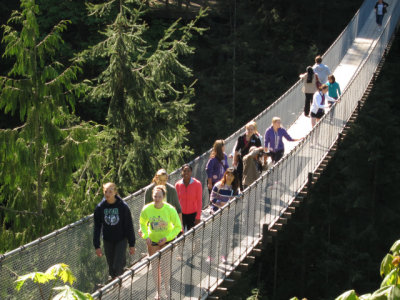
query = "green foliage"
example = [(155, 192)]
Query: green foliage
[(147, 93), (54, 273), (38, 158)]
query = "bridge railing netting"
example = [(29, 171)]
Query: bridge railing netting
[(231, 232)]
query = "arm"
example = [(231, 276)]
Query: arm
[(147, 195), (97, 228), (209, 171), (214, 194), (338, 89), (172, 198), (176, 223), (199, 201), (144, 221), (236, 153), (286, 135)]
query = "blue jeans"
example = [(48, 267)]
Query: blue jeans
[(379, 19)]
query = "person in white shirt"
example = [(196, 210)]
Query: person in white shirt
[(380, 10), (321, 70), (320, 102)]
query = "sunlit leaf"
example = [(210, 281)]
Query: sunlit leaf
[(386, 265), (37, 277), (69, 293), (62, 271), (391, 278), (349, 295), (395, 249)]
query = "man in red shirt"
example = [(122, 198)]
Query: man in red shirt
[(190, 195)]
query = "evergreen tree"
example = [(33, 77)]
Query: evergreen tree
[(145, 88), (37, 158)]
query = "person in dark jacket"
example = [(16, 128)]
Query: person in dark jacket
[(244, 142), (113, 217), (380, 10)]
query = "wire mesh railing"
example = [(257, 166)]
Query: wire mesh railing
[(194, 260), (231, 232)]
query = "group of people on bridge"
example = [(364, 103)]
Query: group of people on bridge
[(170, 210)]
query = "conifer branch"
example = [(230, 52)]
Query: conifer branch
[(20, 212)]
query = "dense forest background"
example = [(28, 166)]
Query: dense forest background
[(338, 237)]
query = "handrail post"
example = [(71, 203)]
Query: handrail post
[(265, 235), (309, 182)]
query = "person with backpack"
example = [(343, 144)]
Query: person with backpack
[(309, 80)]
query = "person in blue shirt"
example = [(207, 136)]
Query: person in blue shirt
[(273, 141), (333, 89), (217, 164)]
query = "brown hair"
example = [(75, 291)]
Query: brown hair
[(332, 77), (159, 188), (235, 182), (318, 59), (217, 150)]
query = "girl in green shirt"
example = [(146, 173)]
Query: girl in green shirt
[(160, 224)]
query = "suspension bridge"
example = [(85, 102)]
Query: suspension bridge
[(238, 228)]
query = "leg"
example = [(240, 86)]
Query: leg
[(190, 219), (307, 103), (240, 172), (155, 269), (313, 121), (109, 248), (279, 155), (119, 260), (165, 272)]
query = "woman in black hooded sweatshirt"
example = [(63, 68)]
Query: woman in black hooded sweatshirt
[(113, 216)]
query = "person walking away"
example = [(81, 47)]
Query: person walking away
[(112, 216), (160, 225), (273, 141), (244, 142), (190, 195), (321, 70), (309, 80), (253, 164), (217, 164), (380, 10)]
